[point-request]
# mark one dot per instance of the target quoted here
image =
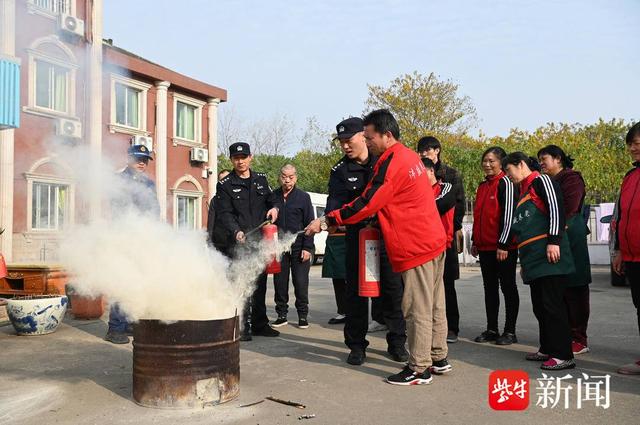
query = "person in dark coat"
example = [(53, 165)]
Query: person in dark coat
[(138, 194), (243, 201), (295, 214), (430, 147), (216, 232), (559, 166)]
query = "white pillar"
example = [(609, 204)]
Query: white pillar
[(213, 144), (7, 140), (94, 101), (161, 146)]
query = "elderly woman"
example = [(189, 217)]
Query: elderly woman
[(559, 166), (545, 257), (492, 216)]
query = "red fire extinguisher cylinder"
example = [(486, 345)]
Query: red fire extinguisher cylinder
[(369, 264), (270, 233)]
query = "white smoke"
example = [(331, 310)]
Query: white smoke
[(150, 269)]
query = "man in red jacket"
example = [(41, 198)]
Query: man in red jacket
[(400, 194), (626, 259)]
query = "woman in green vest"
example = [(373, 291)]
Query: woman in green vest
[(545, 257), (559, 166)]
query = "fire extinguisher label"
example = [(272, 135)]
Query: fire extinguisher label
[(372, 260)]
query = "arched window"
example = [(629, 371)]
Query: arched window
[(50, 196), (187, 203), (52, 78)]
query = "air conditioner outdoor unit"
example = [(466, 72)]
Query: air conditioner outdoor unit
[(145, 141), (69, 128), (72, 25), (199, 155)]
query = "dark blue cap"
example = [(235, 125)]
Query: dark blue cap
[(239, 148), (347, 128), (139, 151)]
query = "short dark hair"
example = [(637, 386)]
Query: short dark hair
[(428, 163), (633, 132), (515, 158), (557, 152), (429, 142), (496, 150), (382, 121)]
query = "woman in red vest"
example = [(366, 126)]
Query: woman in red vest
[(492, 217), (627, 257)]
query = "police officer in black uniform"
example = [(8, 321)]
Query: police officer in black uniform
[(137, 193), (243, 201), (347, 180)]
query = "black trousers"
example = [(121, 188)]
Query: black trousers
[(451, 274), (500, 274), (576, 298), (632, 270), (255, 309), (290, 262), (339, 288), (377, 312), (357, 307), (548, 306)]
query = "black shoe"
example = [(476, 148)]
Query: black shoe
[(452, 337), (356, 357), (129, 330), (398, 354), (487, 336), (303, 323), (506, 338), (340, 318), (266, 331), (440, 367), (116, 337), (280, 321), (409, 377)]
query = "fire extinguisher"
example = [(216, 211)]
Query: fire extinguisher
[(270, 233), (3, 267), (369, 255)]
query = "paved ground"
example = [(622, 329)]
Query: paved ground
[(73, 376)]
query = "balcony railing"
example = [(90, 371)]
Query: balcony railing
[(53, 6)]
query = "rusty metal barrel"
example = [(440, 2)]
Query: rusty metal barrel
[(186, 364)]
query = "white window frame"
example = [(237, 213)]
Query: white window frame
[(33, 177), (196, 199), (198, 194), (114, 127), (198, 104), (34, 8), (37, 55)]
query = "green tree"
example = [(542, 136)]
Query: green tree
[(424, 105)]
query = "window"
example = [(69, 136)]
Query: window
[(49, 206), (52, 82), (319, 211), (127, 105), (185, 121), (53, 6), (187, 212), (188, 120)]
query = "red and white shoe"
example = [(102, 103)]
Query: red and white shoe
[(579, 348), (558, 364), (630, 369)]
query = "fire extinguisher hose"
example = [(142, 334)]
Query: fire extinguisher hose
[(252, 231)]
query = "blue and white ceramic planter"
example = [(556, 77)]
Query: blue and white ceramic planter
[(37, 315)]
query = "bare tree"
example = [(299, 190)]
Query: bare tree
[(272, 136), (315, 138), (230, 129)]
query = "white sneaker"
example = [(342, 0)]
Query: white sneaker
[(377, 327)]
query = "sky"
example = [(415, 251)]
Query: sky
[(522, 63)]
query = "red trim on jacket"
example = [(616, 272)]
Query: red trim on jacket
[(628, 219), (447, 217)]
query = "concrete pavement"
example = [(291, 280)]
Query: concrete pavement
[(74, 377)]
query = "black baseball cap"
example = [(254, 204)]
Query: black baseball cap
[(239, 148), (139, 151), (347, 128)]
